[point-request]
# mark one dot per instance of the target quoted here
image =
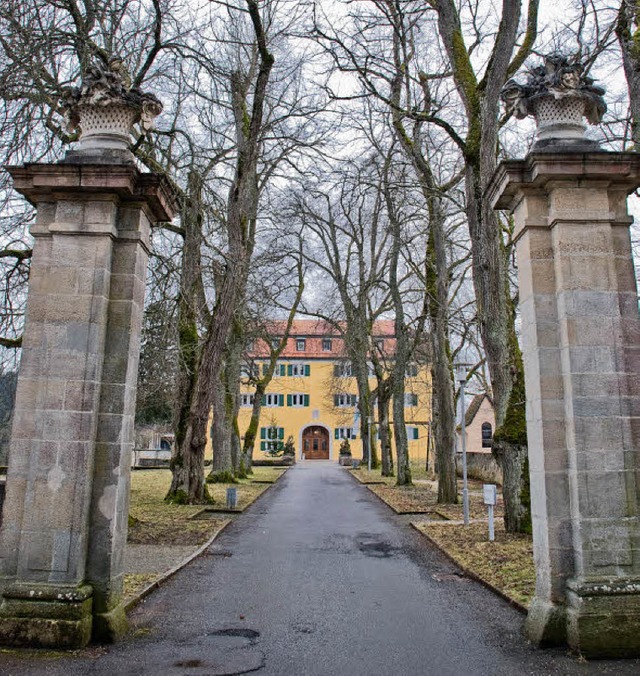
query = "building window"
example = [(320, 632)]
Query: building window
[(246, 399), (345, 400), (275, 343), (412, 432), (326, 344), (487, 435), (273, 400), (250, 371), (298, 400), (250, 346), (298, 370), (410, 399), (411, 370), (371, 370), (343, 369), (345, 433), (301, 344), (279, 370), (271, 438), (379, 344)]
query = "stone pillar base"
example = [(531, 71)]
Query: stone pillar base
[(46, 616), (546, 624), (110, 626), (603, 618)]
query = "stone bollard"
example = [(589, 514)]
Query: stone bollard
[(66, 509)]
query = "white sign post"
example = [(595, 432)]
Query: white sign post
[(490, 494), (461, 377)]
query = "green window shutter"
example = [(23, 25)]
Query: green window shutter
[(265, 368), (280, 432), (307, 369), (264, 399), (288, 400), (281, 400), (282, 369), (306, 400), (414, 399), (263, 445), (263, 433), (415, 432), (289, 369), (280, 445), (336, 401), (337, 433), (337, 370)]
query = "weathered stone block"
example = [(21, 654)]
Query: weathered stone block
[(46, 616)]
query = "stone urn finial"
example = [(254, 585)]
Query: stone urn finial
[(558, 95), (105, 108)]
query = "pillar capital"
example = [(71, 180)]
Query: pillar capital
[(82, 181)]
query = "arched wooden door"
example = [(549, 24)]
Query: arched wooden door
[(315, 443)]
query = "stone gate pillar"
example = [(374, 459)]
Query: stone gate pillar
[(66, 509), (581, 348)]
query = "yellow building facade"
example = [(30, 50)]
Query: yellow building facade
[(313, 396)]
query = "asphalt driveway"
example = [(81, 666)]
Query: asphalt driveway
[(319, 578)]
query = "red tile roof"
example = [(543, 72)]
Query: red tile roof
[(313, 331)]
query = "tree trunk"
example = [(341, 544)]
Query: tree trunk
[(400, 434), (627, 31), (490, 258), (242, 204), (222, 467), (384, 395), (187, 465), (224, 428)]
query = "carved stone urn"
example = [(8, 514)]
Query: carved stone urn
[(559, 118), (558, 96), (105, 109), (107, 126)]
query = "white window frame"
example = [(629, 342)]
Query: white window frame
[(347, 433), (297, 370), (271, 400), (247, 399), (410, 432), (297, 400), (303, 342), (346, 400), (326, 341), (409, 398), (346, 369)]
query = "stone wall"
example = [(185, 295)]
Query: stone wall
[(481, 466)]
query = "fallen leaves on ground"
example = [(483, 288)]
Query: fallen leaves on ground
[(506, 563), (422, 497)]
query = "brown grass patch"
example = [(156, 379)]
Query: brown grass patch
[(506, 563), (153, 522)]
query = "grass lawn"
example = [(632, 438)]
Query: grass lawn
[(422, 496), (506, 563), (154, 522)]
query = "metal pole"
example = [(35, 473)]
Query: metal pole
[(370, 420), (463, 432), (428, 443)]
